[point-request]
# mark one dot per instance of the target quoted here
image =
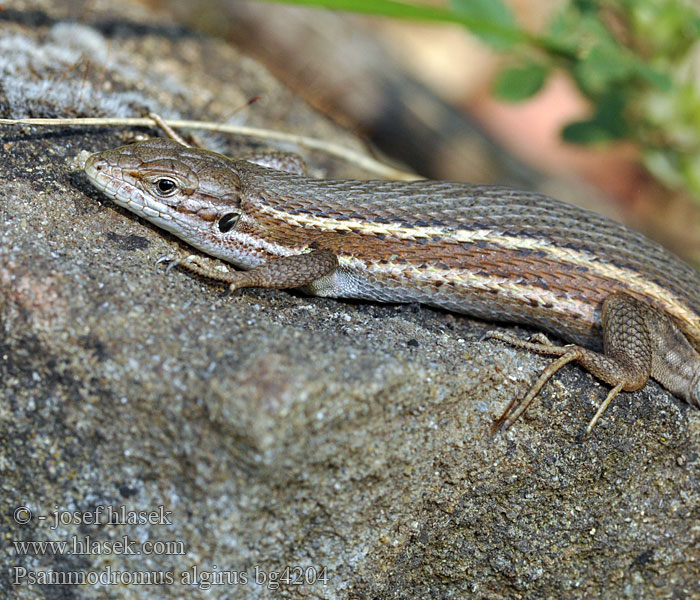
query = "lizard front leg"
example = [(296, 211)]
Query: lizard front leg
[(278, 273)]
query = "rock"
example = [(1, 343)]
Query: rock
[(264, 433)]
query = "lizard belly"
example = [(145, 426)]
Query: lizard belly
[(468, 297)]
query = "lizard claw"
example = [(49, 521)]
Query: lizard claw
[(172, 262), (488, 335), (540, 338)]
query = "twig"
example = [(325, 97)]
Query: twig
[(357, 158)]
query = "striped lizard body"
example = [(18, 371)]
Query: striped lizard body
[(631, 308)]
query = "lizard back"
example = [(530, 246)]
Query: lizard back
[(492, 252)]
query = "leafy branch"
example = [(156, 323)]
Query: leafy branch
[(637, 62)]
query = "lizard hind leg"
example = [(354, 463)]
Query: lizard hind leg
[(516, 408), (625, 364)]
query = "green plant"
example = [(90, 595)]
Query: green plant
[(637, 62)]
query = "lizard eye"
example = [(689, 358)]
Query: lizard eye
[(228, 222), (166, 187)]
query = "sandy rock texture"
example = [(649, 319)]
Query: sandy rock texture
[(265, 444)]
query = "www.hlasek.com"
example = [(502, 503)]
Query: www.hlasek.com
[(87, 545), (203, 579)]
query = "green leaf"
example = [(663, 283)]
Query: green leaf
[(504, 32), (657, 78), (586, 6), (608, 123), (586, 133), (494, 12), (604, 65), (520, 83)]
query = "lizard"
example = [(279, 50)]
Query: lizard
[(628, 308)]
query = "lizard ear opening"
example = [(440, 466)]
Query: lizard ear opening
[(228, 222)]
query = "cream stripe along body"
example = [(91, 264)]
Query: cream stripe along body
[(490, 252), (554, 256)]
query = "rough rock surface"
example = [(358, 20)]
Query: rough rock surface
[(343, 440)]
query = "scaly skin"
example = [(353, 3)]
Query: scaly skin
[(490, 252)]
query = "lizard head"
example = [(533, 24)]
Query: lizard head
[(195, 194)]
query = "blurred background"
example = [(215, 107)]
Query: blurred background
[(594, 102)]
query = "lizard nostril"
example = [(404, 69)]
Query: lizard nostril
[(95, 163)]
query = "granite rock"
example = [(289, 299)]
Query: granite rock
[(246, 434)]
